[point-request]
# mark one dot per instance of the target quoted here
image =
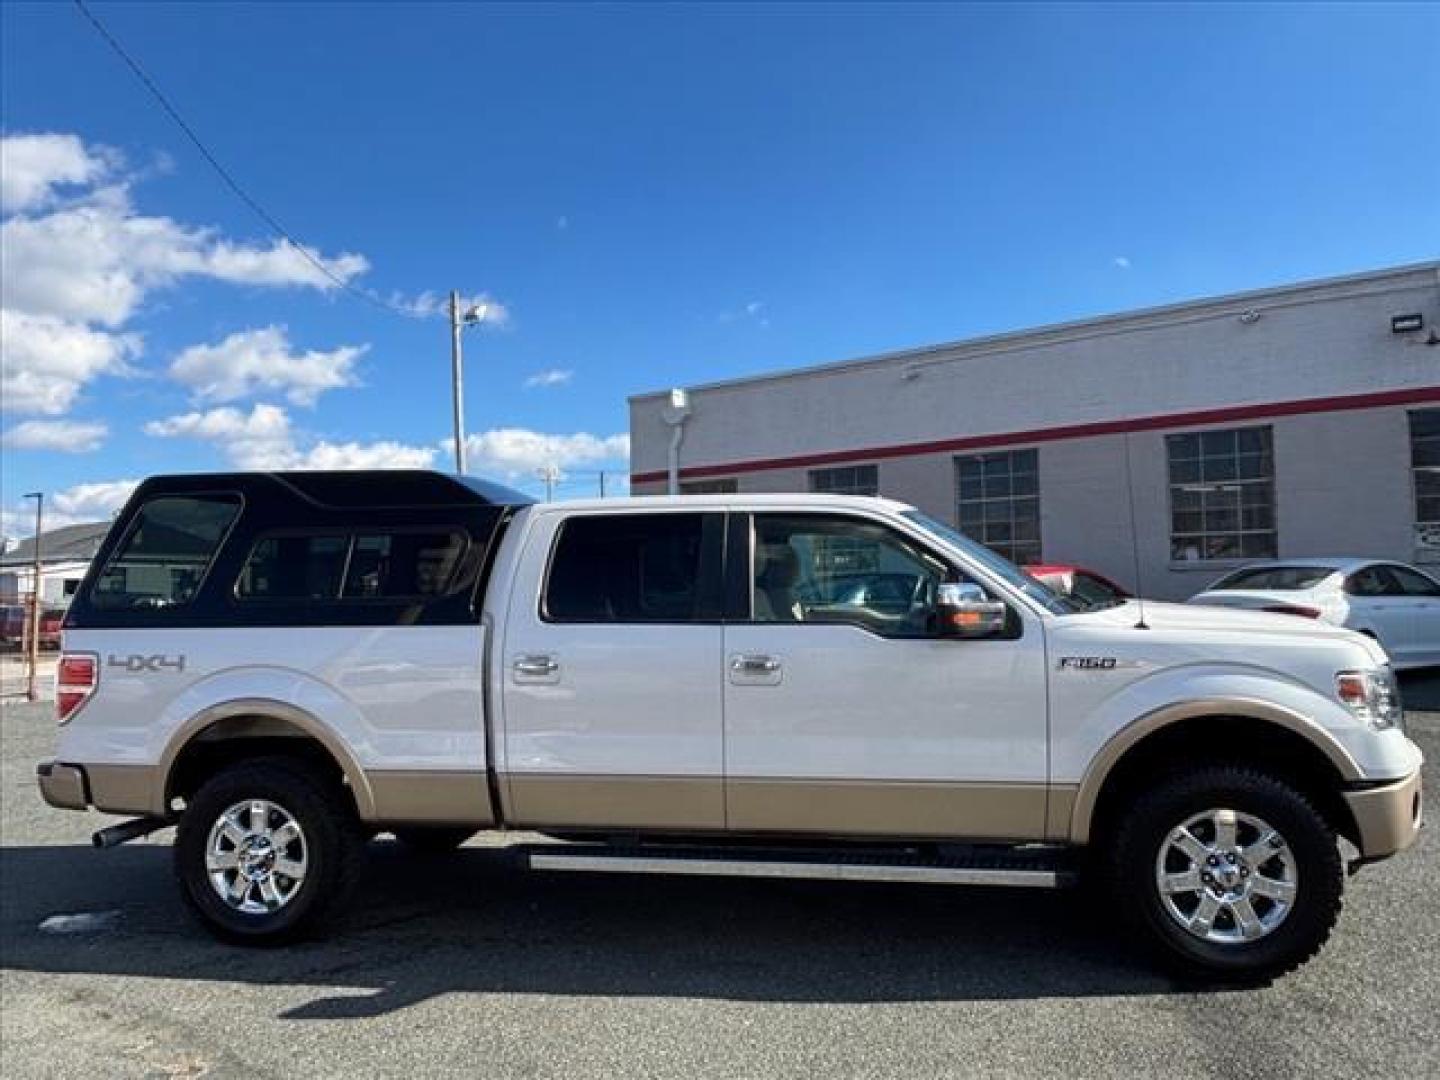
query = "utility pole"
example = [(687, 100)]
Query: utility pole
[(32, 644), (602, 483), (457, 382), (550, 474)]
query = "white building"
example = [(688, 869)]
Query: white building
[(65, 555), (1299, 420)]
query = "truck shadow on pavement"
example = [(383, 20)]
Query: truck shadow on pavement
[(474, 923)]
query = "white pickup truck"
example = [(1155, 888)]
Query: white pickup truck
[(284, 665)]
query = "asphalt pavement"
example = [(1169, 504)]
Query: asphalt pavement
[(466, 966)]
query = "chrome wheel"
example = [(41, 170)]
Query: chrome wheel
[(256, 857), (1226, 877)]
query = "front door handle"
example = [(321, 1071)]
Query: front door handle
[(754, 665), (536, 667)]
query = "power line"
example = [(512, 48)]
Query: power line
[(230, 182)]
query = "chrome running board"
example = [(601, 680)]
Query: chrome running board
[(1003, 870)]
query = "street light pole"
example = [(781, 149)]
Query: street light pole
[(457, 382), (32, 646)]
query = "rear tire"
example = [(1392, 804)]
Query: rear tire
[(268, 851), (433, 839), (1230, 873)]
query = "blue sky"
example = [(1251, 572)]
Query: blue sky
[(654, 196)]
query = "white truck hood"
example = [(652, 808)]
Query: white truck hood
[(1197, 618)]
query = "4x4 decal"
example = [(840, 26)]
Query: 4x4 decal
[(137, 662)]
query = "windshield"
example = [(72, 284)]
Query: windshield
[(1283, 578), (1001, 567)]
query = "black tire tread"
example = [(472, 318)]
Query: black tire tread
[(342, 863), (1322, 902)]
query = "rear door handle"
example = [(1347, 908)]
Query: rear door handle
[(536, 667)]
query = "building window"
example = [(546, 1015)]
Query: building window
[(999, 499), (1222, 494), (1425, 467), (709, 487), (847, 480)]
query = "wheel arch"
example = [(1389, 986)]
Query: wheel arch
[(1286, 740), (265, 724)]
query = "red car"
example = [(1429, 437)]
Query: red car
[(12, 626), (1076, 583)]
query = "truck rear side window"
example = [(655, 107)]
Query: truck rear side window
[(386, 566), (164, 557), (633, 568), (400, 565), (294, 568)]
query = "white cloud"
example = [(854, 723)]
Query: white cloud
[(96, 263), (518, 452), (68, 436), (71, 506), (95, 501), (33, 166), (552, 377), (753, 311), (259, 439), (253, 361), (45, 361), (77, 261), (264, 439), (1120, 262), (377, 455), (432, 305)]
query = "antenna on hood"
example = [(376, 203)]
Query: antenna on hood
[(1140, 623)]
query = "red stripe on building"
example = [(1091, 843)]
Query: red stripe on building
[(1270, 410)]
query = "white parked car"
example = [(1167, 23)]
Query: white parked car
[(1397, 605)]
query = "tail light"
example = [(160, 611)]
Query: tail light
[(1294, 609), (75, 680)]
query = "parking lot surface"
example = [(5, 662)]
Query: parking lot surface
[(466, 966)]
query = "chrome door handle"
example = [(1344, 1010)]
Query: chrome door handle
[(536, 666), (755, 665)]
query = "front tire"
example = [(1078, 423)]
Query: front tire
[(1230, 872), (268, 851)]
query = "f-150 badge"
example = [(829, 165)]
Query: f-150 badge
[(1088, 663)]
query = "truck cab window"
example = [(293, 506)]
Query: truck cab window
[(813, 569), (164, 557), (630, 568)]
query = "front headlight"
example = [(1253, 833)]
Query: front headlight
[(1373, 696)]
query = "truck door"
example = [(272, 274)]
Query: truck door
[(845, 715), (612, 689)]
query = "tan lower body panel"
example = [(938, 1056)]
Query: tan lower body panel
[(1059, 809), (430, 797), (1388, 818), (626, 802), (896, 808), (125, 789)]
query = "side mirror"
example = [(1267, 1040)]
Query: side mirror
[(962, 610)]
